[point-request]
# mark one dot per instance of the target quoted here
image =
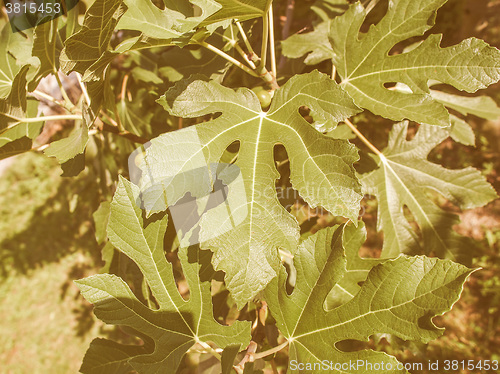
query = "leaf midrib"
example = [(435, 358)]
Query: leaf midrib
[(371, 312), (405, 20)]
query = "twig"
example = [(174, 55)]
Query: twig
[(290, 7), (47, 118), (115, 129)]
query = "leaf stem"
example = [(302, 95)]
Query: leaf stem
[(246, 41), (48, 118), (115, 129), (244, 55), (240, 50), (210, 350), (39, 119), (265, 40), (52, 99), (124, 87), (271, 40), (63, 91), (84, 89), (252, 347), (271, 351), (228, 58), (362, 137)]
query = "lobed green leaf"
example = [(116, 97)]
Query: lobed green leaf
[(399, 297)]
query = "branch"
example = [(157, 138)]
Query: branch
[(251, 356)]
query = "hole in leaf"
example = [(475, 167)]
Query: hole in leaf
[(375, 15), (230, 155), (292, 275), (305, 113), (405, 46), (412, 130), (159, 4), (180, 280), (411, 219), (336, 297), (400, 87), (197, 11), (351, 345)]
